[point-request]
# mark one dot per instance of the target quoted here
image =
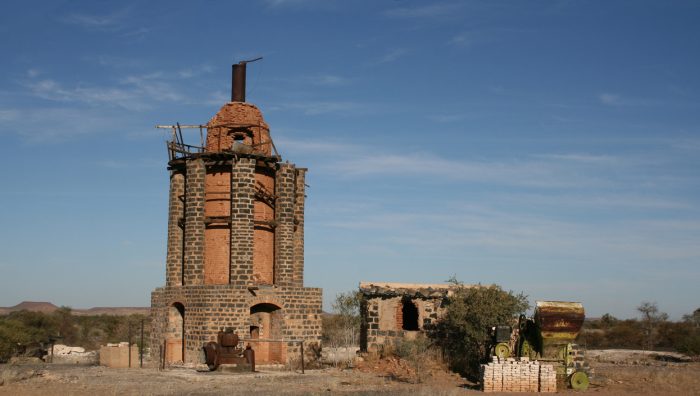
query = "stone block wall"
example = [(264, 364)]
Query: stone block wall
[(210, 308), (392, 311), (242, 219), (299, 205), (193, 268), (176, 213), (284, 232)]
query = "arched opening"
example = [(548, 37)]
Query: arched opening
[(266, 325), (409, 315), (175, 334)]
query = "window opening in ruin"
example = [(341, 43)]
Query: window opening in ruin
[(254, 332), (410, 316)]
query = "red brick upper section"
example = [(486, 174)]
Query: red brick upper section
[(242, 122)]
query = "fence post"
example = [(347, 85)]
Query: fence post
[(302, 356)]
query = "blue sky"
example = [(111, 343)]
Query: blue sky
[(551, 147)]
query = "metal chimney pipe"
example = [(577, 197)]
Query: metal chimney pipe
[(238, 82)]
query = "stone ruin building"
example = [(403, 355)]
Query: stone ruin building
[(235, 254), (396, 311)]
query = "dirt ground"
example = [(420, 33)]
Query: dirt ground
[(614, 376)]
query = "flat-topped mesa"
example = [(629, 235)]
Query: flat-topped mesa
[(239, 127)]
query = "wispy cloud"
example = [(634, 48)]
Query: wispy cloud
[(55, 124), (132, 92), (611, 99), (9, 114), (462, 40), (392, 55), (51, 90), (447, 118), (285, 3), (122, 164), (517, 172), (595, 200), (118, 21), (316, 147), (328, 80), (424, 11), (323, 107), (109, 21), (582, 158), (192, 72)]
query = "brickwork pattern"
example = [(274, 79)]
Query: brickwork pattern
[(284, 232), (217, 232), (238, 117), (193, 271), (210, 308), (299, 206), (242, 216), (176, 213), (517, 375)]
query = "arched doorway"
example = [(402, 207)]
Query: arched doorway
[(266, 324), (175, 334)]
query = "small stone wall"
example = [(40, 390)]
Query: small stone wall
[(517, 375), (394, 311)]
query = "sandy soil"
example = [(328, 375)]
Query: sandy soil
[(637, 376)]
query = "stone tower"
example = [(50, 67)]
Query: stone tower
[(235, 254)]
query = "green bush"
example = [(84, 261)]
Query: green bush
[(471, 312)]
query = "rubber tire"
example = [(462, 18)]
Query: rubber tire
[(579, 381), (504, 350)]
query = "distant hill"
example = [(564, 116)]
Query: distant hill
[(34, 306), (47, 307)]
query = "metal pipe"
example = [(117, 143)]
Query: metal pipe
[(238, 82)]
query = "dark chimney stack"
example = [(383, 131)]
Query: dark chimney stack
[(238, 80)]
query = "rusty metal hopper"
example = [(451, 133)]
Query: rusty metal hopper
[(558, 324)]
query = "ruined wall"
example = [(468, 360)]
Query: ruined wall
[(391, 312), (242, 122)]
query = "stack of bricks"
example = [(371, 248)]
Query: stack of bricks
[(517, 375), (548, 379)]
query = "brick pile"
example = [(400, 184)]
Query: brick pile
[(517, 375)]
